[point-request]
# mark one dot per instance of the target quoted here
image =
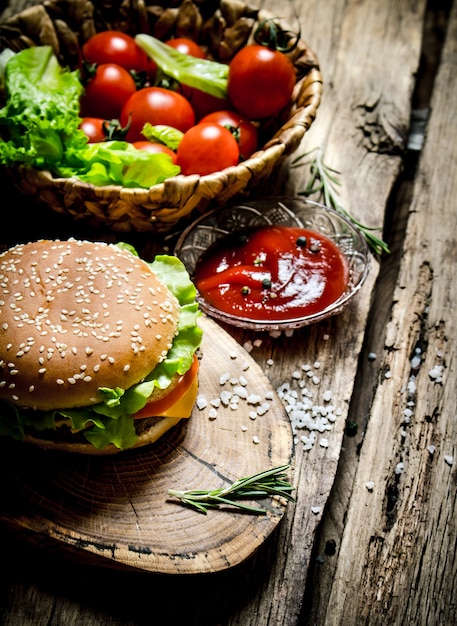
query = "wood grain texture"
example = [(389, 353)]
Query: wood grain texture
[(342, 554), (400, 565), (117, 507)]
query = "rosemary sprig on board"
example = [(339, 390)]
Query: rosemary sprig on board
[(323, 181), (272, 482)]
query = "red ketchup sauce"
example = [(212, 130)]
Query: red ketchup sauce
[(272, 273)]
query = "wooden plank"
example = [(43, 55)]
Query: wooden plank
[(361, 126), (395, 562)]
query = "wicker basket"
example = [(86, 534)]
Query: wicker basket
[(223, 28)]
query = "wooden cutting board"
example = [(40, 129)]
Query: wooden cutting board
[(117, 507)]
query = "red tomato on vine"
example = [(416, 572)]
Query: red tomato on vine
[(187, 46), (207, 148), (112, 46), (106, 91), (156, 106), (243, 130), (260, 81)]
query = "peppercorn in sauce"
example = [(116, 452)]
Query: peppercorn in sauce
[(272, 273)]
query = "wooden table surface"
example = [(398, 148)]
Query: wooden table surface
[(372, 536)]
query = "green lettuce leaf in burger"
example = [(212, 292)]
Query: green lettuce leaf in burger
[(98, 348)]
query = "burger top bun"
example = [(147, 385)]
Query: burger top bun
[(76, 316)]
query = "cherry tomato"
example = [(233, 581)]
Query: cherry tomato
[(156, 148), (156, 106), (97, 129), (204, 103), (112, 46), (243, 130), (93, 128), (207, 148), (260, 81), (107, 91), (187, 46)]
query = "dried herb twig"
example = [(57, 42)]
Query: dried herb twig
[(271, 483), (323, 181)]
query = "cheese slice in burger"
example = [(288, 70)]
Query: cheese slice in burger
[(98, 348)]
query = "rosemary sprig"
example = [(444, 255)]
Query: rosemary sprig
[(323, 181), (271, 482)]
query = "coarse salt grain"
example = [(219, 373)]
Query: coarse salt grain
[(436, 373), (224, 378), (201, 402)]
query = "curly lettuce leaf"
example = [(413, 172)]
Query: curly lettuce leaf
[(117, 163), (41, 116), (39, 127)]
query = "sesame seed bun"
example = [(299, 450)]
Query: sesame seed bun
[(76, 316)]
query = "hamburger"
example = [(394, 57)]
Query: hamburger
[(98, 348)]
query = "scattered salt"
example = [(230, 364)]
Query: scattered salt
[(240, 391), (224, 378), (201, 402), (263, 408), (225, 397), (436, 373)]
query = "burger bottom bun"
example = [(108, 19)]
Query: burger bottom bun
[(149, 430)]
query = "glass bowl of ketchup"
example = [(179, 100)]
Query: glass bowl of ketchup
[(274, 263)]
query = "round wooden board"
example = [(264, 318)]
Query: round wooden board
[(117, 507)]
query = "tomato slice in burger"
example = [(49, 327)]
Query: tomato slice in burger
[(159, 407)]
